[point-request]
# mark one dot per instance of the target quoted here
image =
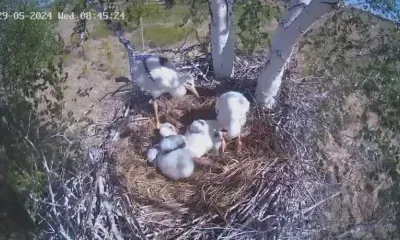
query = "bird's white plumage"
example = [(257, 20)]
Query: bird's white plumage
[(152, 154), (157, 75), (166, 77), (176, 165), (232, 108), (203, 136), (167, 129), (172, 160)]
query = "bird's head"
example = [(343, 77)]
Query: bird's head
[(188, 83), (218, 135), (167, 129), (219, 141), (198, 126)]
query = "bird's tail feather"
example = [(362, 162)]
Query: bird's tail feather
[(152, 155)]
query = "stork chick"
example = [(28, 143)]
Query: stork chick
[(232, 108), (157, 75), (203, 136), (170, 155)]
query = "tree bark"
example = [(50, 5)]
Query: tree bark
[(222, 37), (298, 19), (142, 32)]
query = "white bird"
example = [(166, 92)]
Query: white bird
[(203, 136), (170, 155), (232, 108), (175, 155), (157, 75)]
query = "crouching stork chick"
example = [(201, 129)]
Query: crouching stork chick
[(170, 155), (175, 156), (232, 108), (158, 75)]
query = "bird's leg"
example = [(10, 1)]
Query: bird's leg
[(223, 145), (219, 145), (239, 143), (223, 141), (225, 135), (155, 107), (202, 161)]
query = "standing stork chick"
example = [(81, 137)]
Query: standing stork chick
[(157, 75), (170, 155), (232, 108)]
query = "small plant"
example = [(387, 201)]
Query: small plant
[(75, 40), (100, 30), (250, 16), (85, 71), (144, 10), (164, 35), (109, 53), (177, 13), (115, 71)]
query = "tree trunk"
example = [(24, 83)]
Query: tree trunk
[(222, 37), (298, 18), (142, 32)]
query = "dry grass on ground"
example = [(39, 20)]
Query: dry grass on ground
[(208, 189)]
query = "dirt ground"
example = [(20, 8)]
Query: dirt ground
[(91, 80), (360, 183)]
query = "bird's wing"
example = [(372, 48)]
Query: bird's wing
[(171, 143), (163, 72), (176, 164), (142, 57)]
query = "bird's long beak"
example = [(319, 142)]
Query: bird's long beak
[(192, 89)]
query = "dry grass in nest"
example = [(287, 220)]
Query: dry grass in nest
[(208, 190)]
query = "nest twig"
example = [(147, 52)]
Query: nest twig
[(88, 204)]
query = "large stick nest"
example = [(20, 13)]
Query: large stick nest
[(249, 197), (260, 193)]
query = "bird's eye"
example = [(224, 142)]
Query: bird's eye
[(163, 61), (202, 122), (216, 134)]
